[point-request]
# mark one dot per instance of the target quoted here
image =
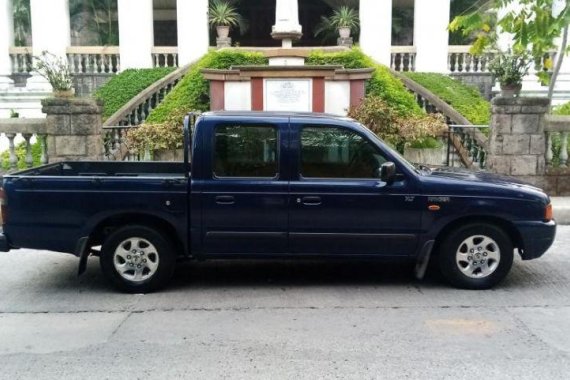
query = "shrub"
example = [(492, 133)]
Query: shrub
[(563, 109), (382, 84), (396, 129), (192, 92), (464, 98), (120, 89)]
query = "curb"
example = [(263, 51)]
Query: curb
[(561, 207)]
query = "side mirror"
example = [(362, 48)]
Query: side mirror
[(388, 172)]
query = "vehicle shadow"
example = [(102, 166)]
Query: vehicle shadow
[(258, 273)]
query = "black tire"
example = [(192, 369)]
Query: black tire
[(154, 253), (478, 269)]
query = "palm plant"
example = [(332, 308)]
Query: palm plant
[(343, 17), (222, 13)]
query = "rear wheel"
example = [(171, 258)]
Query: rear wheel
[(476, 256), (137, 259)]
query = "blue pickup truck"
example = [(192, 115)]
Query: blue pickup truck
[(275, 185)]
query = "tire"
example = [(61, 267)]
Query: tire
[(137, 259), (476, 256)]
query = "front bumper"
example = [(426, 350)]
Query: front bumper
[(537, 237), (4, 246)]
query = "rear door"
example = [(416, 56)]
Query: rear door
[(245, 191), (338, 203)]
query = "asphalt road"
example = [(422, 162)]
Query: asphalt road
[(307, 320)]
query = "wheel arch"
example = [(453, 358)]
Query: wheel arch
[(106, 226), (507, 226)]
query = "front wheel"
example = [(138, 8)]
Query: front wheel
[(137, 259), (476, 256)]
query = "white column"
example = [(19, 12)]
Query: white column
[(193, 30), (136, 33), (431, 37), (50, 32), (376, 29), (6, 40)]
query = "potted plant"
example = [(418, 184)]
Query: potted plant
[(56, 71), (510, 69), (344, 20), (223, 16)]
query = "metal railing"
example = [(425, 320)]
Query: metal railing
[(461, 142)]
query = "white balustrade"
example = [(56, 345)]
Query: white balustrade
[(403, 58), (21, 58), (460, 60), (18, 137), (557, 130), (94, 59), (165, 56)]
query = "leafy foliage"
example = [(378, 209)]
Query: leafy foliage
[(397, 130), (55, 70), (21, 155), (382, 84), (22, 21), (464, 98), (531, 22), (126, 85), (563, 109), (192, 92), (342, 17), (509, 69), (97, 16)]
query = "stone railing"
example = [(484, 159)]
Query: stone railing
[(557, 130), (460, 60), (115, 147), (468, 142), (165, 56), (27, 132), (403, 58), (21, 58), (138, 108), (94, 59)]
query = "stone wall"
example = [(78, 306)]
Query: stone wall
[(73, 127), (483, 81), (517, 143), (86, 84)]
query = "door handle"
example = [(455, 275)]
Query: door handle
[(311, 201), (225, 200)]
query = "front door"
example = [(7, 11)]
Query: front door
[(245, 198), (338, 203)]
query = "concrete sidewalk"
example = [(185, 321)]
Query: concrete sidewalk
[(561, 206)]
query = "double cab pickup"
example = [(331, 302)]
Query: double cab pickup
[(275, 186)]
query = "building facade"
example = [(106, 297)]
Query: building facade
[(403, 34)]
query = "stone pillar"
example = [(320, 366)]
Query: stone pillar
[(287, 27), (193, 32), (376, 29), (136, 33), (50, 32), (6, 40), (431, 37), (517, 143), (73, 129)]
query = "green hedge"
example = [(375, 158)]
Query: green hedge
[(464, 98), (192, 92), (124, 86), (382, 84), (563, 109)]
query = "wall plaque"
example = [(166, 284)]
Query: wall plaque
[(294, 95)]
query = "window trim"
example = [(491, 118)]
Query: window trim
[(276, 177)]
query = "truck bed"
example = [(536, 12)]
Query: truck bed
[(106, 169)]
